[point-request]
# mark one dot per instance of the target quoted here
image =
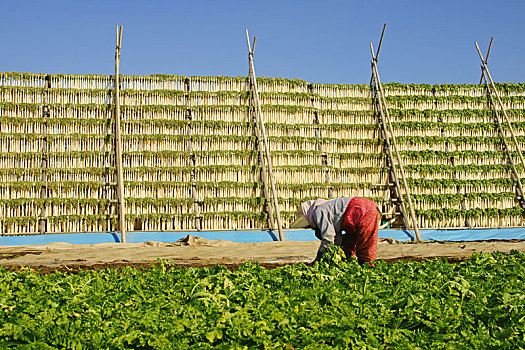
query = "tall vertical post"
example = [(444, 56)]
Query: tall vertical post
[(118, 142), (262, 163), (42, 221), (324, 156), (452, 159), (485, 61), (390, 141), (198, 220), (261, 130), (519, 185), (491, 91), (490, 84)]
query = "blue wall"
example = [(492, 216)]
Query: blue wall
[(257, 236)]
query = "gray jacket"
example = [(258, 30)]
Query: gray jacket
[(328, 218)]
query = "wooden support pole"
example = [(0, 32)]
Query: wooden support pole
[(390, 132), (380, 43), (324, 156), (505, 144), (391, 163), (486, 74), (260, 147), (486, 60), (42, 222), (262, 163), (189, 131), (260, 125), (452, 160), (378, 50), (118, 142)]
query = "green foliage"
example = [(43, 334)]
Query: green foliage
[(454, 183), (400, 101), (164, 135), (456, 140), (455, 198), (447, 213), (397, 101), (450, 169), (478, 303), (332, 256)]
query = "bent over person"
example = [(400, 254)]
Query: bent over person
[(357, 217)]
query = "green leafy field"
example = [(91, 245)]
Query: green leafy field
[(478, 303)]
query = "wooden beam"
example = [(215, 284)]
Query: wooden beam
[(260, 148), (118, 142), (260, 125), (505, 145), (390, 130), (486, 60), (495, 91), (380, 43), (43, 221), (376, 57), (491, 89)]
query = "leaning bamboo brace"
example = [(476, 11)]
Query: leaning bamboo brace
[(357, 217)]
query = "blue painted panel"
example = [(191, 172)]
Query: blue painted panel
[(474, 235), (257, 236), (73, 238), (235, 236)]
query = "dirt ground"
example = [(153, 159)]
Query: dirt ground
[(198, 252)]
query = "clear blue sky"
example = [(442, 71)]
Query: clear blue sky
[(319, 41)]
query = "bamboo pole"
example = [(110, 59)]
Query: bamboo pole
[(385, 115), (387, 139), (260, 124), (452, 160), (378, 50), (264, 173), (486, 73), (486, 60), (189, 131), (317, 134), (118, 142), (391, 163), (43, 224), (260, 147), (507, 150)]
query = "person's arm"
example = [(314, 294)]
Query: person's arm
[(326, 229)]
